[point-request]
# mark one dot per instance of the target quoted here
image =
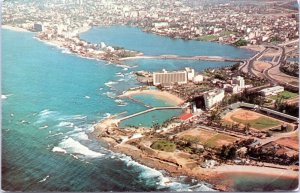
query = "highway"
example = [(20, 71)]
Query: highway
[(248, 66)]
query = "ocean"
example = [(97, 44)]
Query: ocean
[(50, 100)]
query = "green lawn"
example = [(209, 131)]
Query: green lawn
[(163, 145), (261, 123), (285, 94), (226, 33), (208, 38), (219, 139)]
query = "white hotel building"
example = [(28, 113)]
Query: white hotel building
[(213, 97), (166, 78)]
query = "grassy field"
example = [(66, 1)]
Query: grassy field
[(164, 145), (226, 33), (296, 83), (284, 95), (260, 123), (207, 138), (219, 140), (208, 38)]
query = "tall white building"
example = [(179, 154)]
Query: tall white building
[(190, 73), (166, 78), (239, 80), (213, 97)]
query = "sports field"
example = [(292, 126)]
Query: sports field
[(207, 138), (256, 120)]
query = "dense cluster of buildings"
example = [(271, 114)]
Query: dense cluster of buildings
[(255, 23), (168, 79)]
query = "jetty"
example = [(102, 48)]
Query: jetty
[(176, 57)]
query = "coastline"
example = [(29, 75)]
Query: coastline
[(156, 93), (13, 28), (215, 176)]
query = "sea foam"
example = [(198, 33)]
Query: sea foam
[(74, 147), (80, 136), (59, 149), (163, 182)]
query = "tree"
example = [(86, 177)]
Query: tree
[(215, 116), (156, 126), (247, 128), (241, 42)]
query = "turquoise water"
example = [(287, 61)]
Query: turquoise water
[(153, 65), (254, 182), (150, 44), (51, 99), (158, 116)]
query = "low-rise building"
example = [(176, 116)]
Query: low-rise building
[(272, 90), (198, 79), (232, 88)]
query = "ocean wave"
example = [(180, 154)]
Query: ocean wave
[(121, 79), (90, 129), (44, 127), (59, 149), (110, 94), (72, 117), (87, 97), (119, 74), (46, 114), (65, 124), (3, 96), (80, 136), (120, 102), (74, 147), (163, 182), (106, 115), (147, 173), (44, 179), (55, 134), (110, 83)]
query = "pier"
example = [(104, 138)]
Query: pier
[(147, 111)]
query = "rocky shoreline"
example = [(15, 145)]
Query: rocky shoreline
[(136, 144)]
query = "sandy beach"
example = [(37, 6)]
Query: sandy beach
[(18, 29), (257, 170), (156, 93)]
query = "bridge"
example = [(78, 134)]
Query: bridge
[(147, 111), (176, 57)]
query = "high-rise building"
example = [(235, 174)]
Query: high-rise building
[(239, 80), (213, 97), (166, 78)]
